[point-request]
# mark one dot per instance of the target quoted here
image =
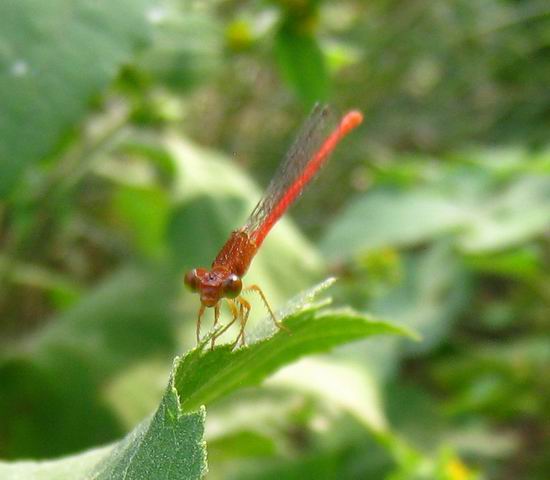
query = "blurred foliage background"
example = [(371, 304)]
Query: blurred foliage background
[(136, 134)]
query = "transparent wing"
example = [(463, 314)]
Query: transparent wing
[(307, 143)]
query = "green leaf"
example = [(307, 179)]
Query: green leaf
[(202, 377), (433, 291), (241, 444), (187, 49), (70, 468), (143, 212), (482, 215), (520, 212), (302, 64), (387, 217), (170, 444), (167, 446), (55, 57), (341, 385), (521, 263)]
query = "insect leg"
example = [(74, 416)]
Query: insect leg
[(235, 314), (216, 319), (258, 290), (201, 312)]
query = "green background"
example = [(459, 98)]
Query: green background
[(135, 135)]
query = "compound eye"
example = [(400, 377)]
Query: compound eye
[(232, 286), (191, 280)]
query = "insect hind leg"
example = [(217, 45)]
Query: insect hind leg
[(255, 288)]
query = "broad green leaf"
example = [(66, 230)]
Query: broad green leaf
[(385, 218), (202, 377), (482, 212), (55, 57), (261, 410), (70, 468), (302, 64), (167, 446), (340, 385), (520, 212), (427, 300)]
